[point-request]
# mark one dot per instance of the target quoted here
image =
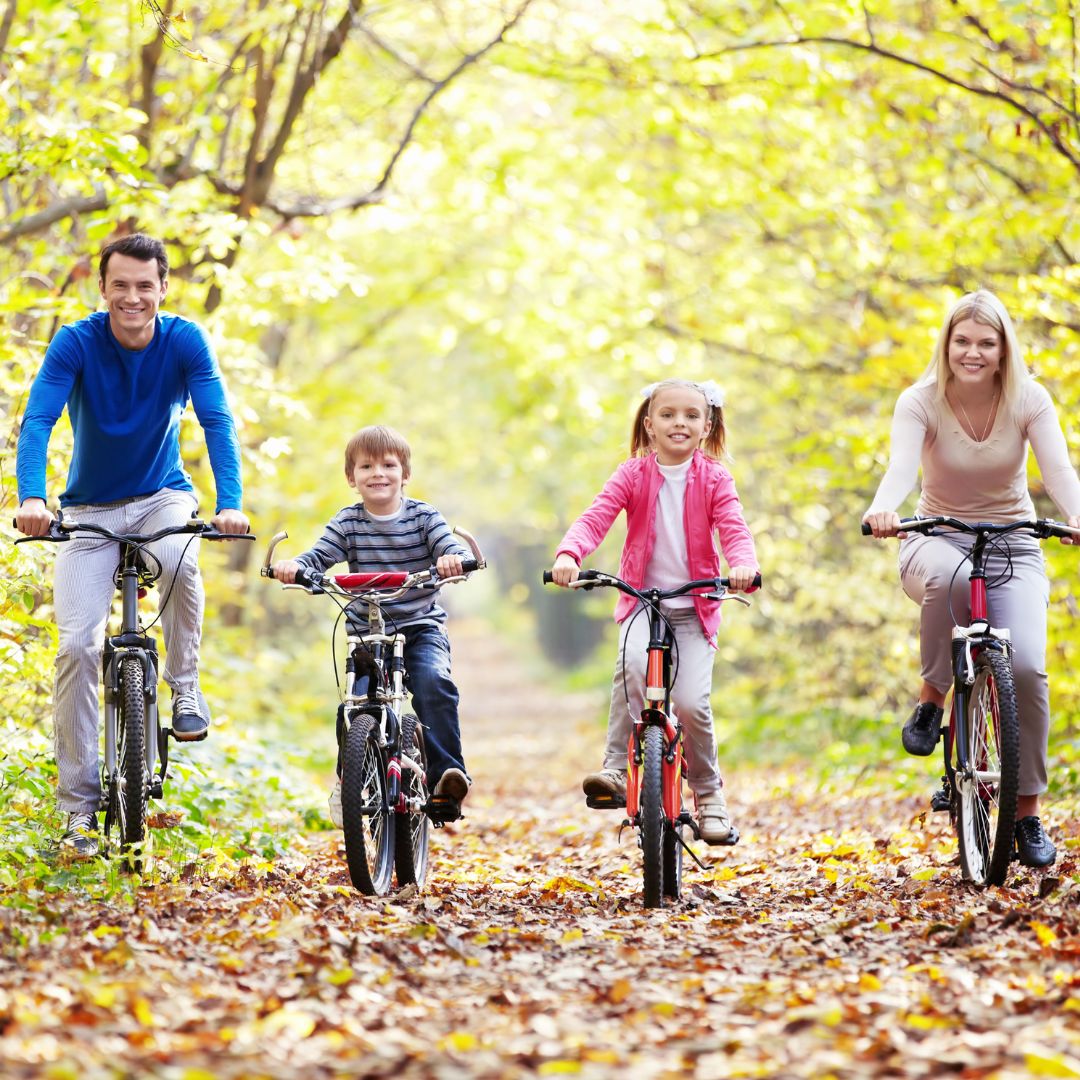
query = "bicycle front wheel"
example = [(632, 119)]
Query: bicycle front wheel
[(651, 815), (411, 828), (126, 810), (365, 814), (986, 786)]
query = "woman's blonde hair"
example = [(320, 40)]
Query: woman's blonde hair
[(715, 437), (981, 306)]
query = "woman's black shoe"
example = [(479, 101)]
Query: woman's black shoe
[(922, 731), (1033, 844)]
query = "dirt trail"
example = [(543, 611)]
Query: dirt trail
[(834, 940)]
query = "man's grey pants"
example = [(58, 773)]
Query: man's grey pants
[(928, 564), (690, 697), (83, 592)]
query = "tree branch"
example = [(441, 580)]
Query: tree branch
[(6, 24), (926, 69), (57, 211)]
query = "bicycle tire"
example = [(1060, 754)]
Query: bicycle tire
[(986, 808), (412, 828), (673, 857), (365, 814), (651, 822), (131, 786)]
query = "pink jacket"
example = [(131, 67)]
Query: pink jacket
[(711, 504)]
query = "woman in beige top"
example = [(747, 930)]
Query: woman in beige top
[(968, 422)]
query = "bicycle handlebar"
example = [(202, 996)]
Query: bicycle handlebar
[(61, 531), (1043, 529), (594, 578)]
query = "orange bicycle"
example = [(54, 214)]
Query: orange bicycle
[(654, 753)]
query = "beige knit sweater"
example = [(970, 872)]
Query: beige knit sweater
[(970, 480)]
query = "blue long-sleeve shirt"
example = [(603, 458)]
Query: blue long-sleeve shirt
[(125, 411)]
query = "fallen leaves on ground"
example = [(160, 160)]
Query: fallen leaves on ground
[(836, 939)]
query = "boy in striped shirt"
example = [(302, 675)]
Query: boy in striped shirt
[(386, 530)]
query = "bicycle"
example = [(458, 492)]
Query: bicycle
[(135, 742), (386, 807), (982, 740), (654, 753)]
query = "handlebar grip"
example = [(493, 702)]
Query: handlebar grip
[(548, 579), (866, 530), (757, 580), (469, 565), (305, 578)]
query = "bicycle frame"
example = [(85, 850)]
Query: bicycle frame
[(657, 711)]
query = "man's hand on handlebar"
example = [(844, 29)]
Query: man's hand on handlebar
[(1073, 523), (233, 522), (33, 518), (565, 570), (883, 524)]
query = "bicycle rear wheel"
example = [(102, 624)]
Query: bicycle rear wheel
[(986, 789), (365, 814), (651, 815), (126, 807), (411, 829)]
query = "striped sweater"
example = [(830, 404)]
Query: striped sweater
[(410, 541)]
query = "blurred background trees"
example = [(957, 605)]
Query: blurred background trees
[(488, 224)]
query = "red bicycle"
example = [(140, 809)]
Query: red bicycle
[(654, 752), (982, 740)]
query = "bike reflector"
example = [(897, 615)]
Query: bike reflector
[(388, 579)]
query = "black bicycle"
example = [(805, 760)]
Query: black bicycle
[(386, 807), (136, 760), (982, 740)]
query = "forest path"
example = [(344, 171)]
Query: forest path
[(835, 940)]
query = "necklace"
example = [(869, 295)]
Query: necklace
[(989, 419)]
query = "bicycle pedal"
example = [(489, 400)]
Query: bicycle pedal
[(605, 802), (730, 840), (442, 809)]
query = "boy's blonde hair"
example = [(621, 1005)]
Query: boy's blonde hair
[(981, 306), (378, 441), (715, 437)]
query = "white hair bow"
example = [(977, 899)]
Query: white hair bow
[(713, 393)]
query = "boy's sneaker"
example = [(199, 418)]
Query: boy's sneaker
[(1033, 844), (81, 837), (923, 729), (189, 724), (453, 784), (714, 820), (606, 782), (335, 805)]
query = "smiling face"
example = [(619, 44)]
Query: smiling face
[(975, 354), (132, 290), (378, 480), (677, 421)]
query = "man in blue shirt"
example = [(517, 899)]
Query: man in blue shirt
[(125, 375)]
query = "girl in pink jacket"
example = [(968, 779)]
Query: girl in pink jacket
[(677, 496)]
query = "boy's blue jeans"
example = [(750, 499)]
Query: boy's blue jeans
[(434, 697)]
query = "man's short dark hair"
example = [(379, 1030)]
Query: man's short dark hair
[(137, 246)]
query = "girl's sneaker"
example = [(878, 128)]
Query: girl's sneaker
[(605, 782), (714, 820), (335, 804)]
